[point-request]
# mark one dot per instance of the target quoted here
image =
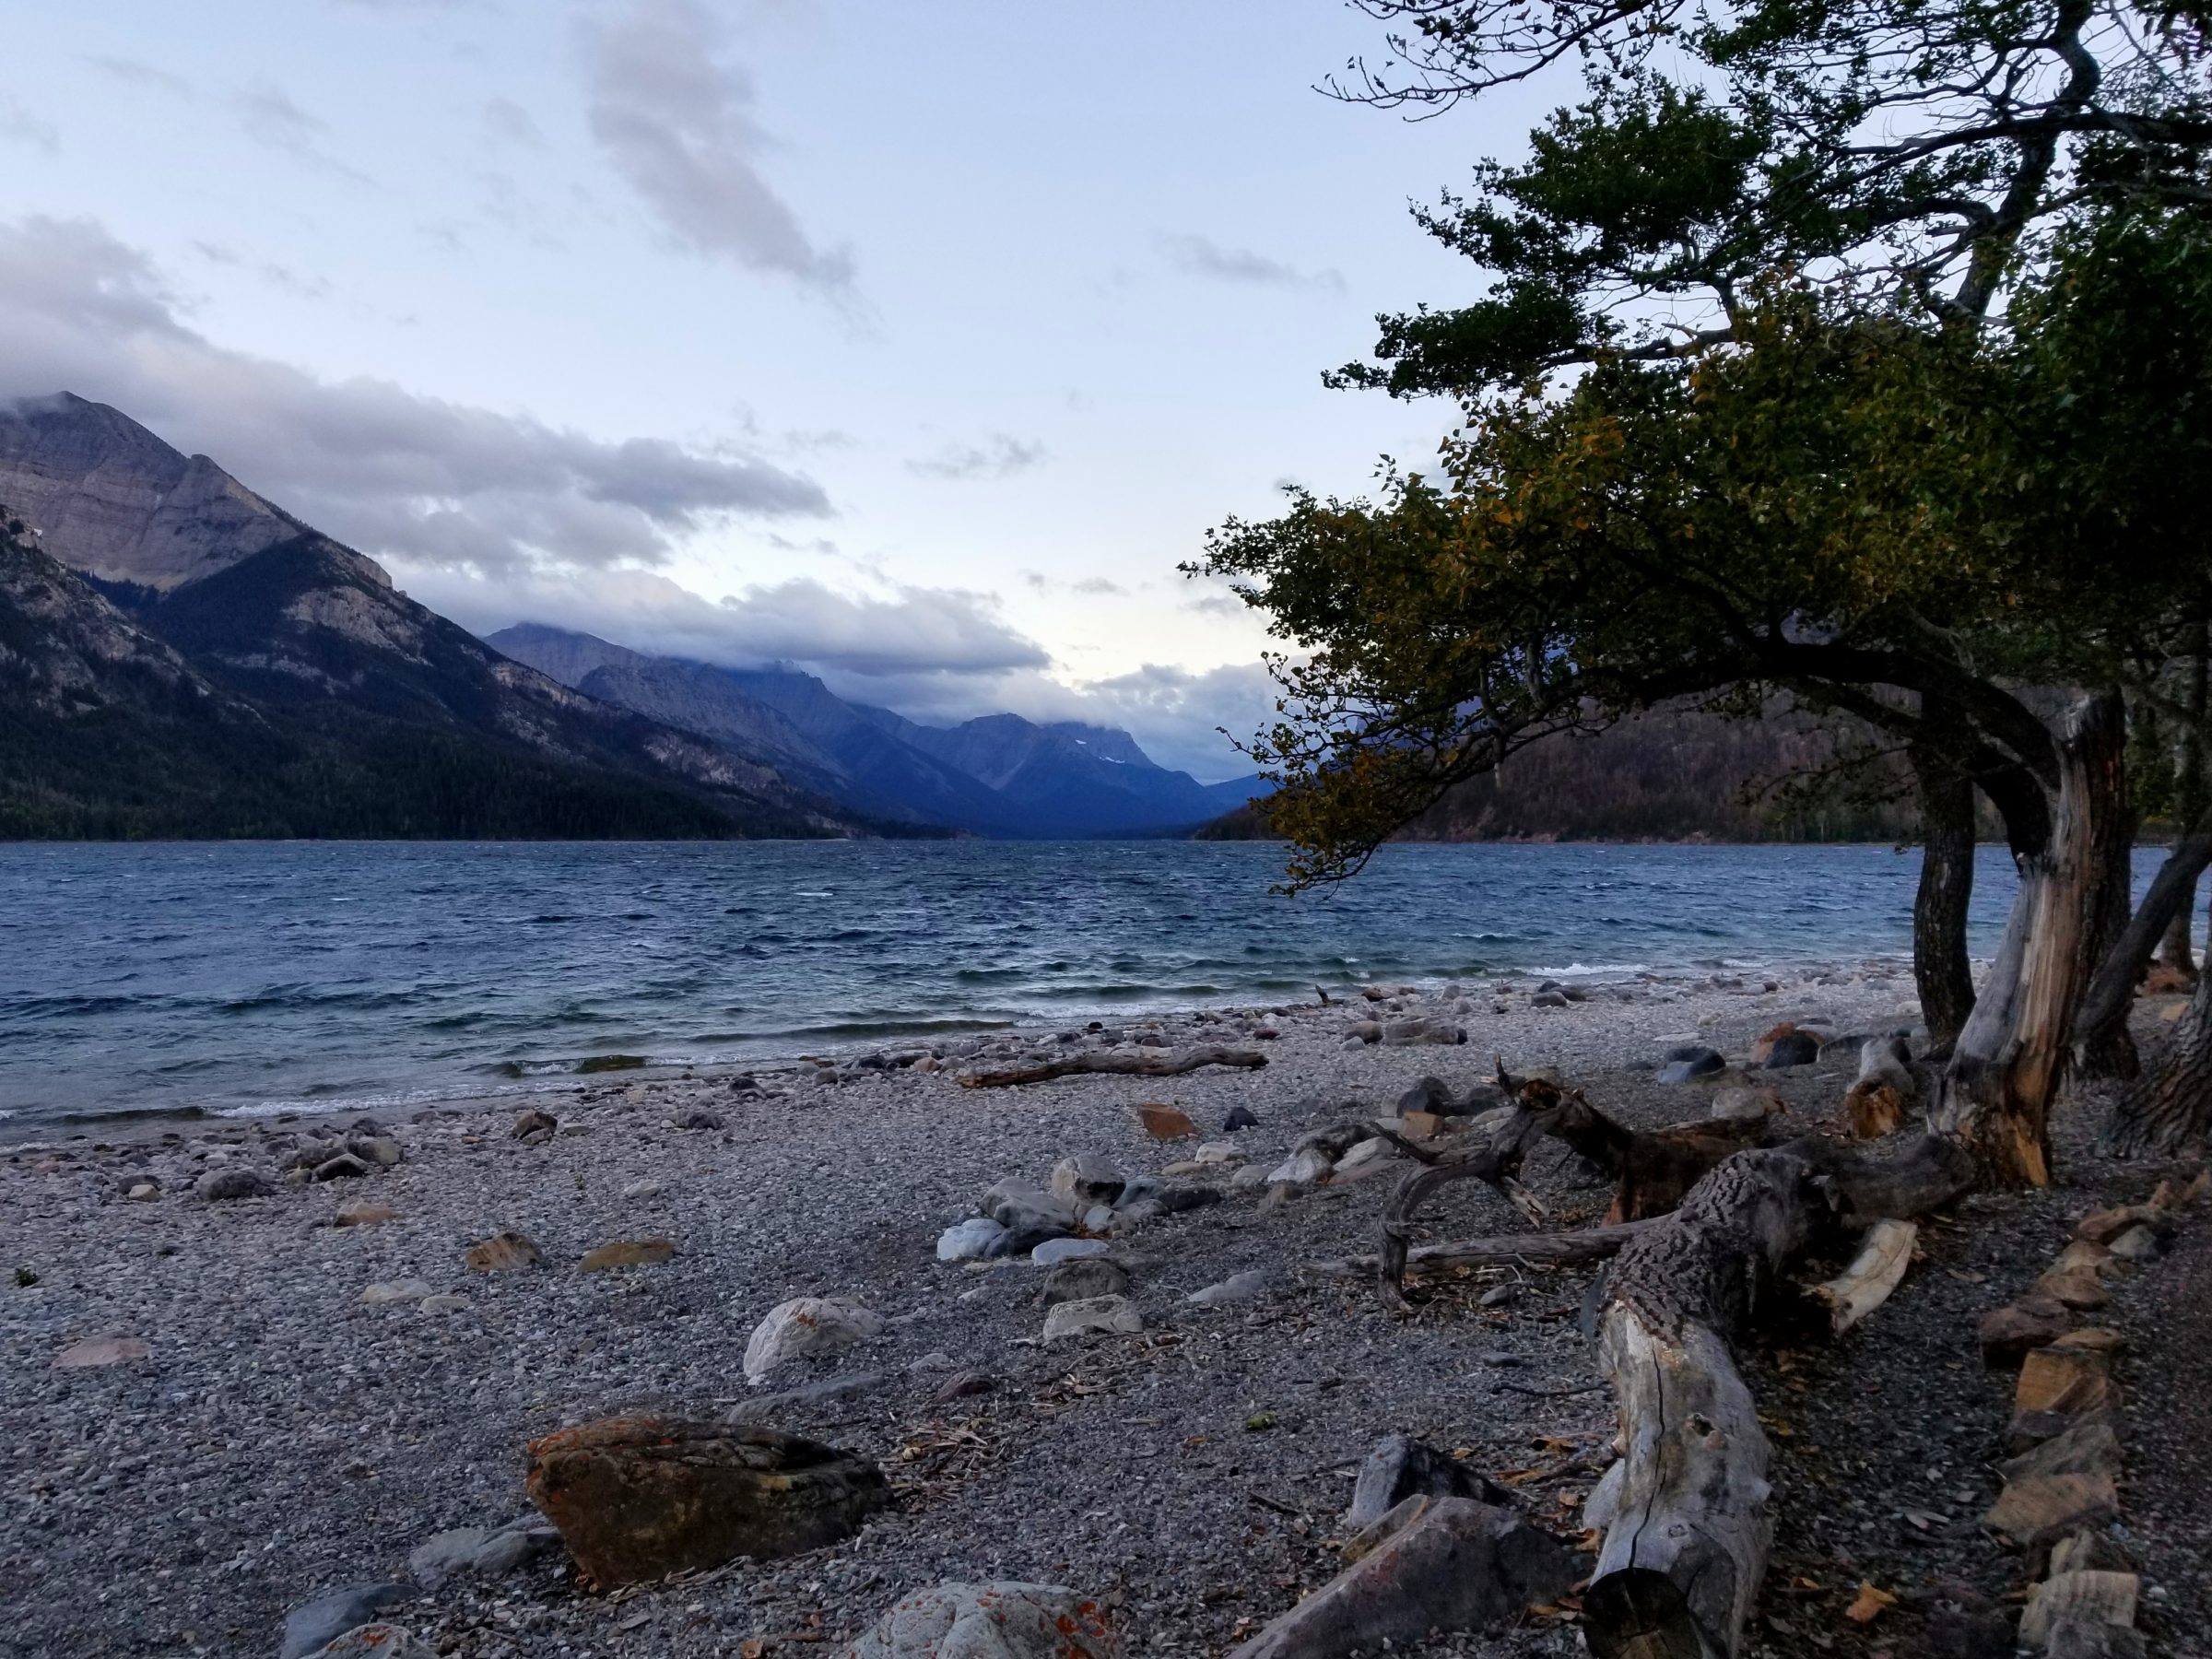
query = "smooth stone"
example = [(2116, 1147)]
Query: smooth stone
[(95, 1351), (502, 1253), (392, 1290), (327, 1617), (1084, 1279), (1402, 1467), (970, 1241), (380, 1150), (222, 1186), (1103, 1315), (1237, 1286), (362, 1212), (376, 1640), (1239, 1117), (766, 1408), (1054, 1251), (2042, 1508), (627, 1252), (990, 1621), (1166, 1123), (1087, 1178), (638, 1190), (448, 1303), (491, 1551), (803, 1326)]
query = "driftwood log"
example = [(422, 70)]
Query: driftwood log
[(1884, 1090), (1651, 1170), (1684, 1511), (1537, 1250), (1148, 1064)]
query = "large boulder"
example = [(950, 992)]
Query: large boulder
[(1087, 1179), (1455, 1565), (990, 1621), (1030, 1216), (806, 1324), (1093, 1315), (638, 1497)]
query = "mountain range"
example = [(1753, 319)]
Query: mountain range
[(180, 657)]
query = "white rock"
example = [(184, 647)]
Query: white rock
[(806, 1324), (642, 1189), (1301, 1169), (989, 1621), (408, 1289), (1109, 1314), (1249, 1176), (970, 1241), (1218, 1152), (1366, 1152), (1067, 1250), (1237, 1286), (437, 1306)]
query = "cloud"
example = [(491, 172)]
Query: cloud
[(19, 125), (282, 278), (144, 77), (1001, 457), (674, 119), (270, 118), (508, 121), (1094, 586), (1201, 257), (905, 636), (390, 470)]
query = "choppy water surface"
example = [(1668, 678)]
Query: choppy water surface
[(256, 976)]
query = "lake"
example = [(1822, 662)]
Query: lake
[(256, 977)]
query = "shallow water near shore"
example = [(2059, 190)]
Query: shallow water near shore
[(256, 977)]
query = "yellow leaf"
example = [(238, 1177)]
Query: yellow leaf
[(1868, 1604)]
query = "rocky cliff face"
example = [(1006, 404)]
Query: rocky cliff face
[(110, 500), (340, 705)]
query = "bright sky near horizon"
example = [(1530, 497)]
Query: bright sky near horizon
[(914, 344)]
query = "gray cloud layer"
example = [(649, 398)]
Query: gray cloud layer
[(1001, 457), (675, 118), (1202, 256), (379, 467)]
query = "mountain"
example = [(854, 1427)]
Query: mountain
[(999, 774), (187, 659)]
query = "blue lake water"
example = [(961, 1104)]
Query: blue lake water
[(259, 976)]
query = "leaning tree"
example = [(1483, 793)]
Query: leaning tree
[(1900, 151)]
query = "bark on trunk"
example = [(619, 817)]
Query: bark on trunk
[(1941, 968), (2113, 992), (2170, 1108), (1996, 1093), (1684, 1511), (2188, 800), (2108, 1051)]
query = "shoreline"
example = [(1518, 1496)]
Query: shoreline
[(953, 1040)]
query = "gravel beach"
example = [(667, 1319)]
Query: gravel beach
[(283, 1435)]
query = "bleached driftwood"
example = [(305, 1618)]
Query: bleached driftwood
[(1546, 1249), (1886, 1088), (1883, 1255), (1146, 1065)]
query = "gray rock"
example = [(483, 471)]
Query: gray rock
[(970, 1241), (1402, 1467), (379, 1149), (489, 1551), (1455, 1565), (806, 1324), (1793, 1048), (1030, 1215), (1702, 1061), (1084, 1279), (763, 1409), (1418, 1033), (1176, 1201), (990, 1621), (1103, 1315), (344, 1167), (1429, 1095), (378, 1640), (219, 1186), (1087, 1179), (1052, 1251), (1548, 999), (1237, 1286), (329, 1617)]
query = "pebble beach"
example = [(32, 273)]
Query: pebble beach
[(221, 1407)]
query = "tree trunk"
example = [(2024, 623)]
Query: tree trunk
[(2109, 1051), (1995, 1100), (2113, 992), (2188, 800), (1941, 968), (2171, 1108)]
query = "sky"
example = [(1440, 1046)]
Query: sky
[(915, 344)]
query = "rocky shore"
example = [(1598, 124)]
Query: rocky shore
[(254, 1366)]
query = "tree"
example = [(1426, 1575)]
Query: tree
[(1897, 152)]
